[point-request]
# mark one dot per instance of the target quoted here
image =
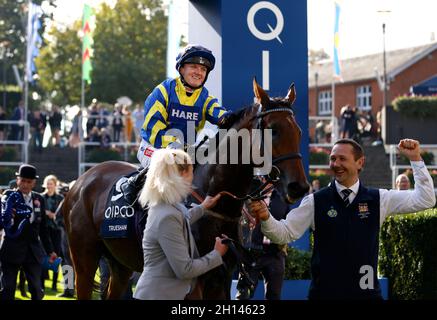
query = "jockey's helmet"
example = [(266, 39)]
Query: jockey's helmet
[(196, 54)]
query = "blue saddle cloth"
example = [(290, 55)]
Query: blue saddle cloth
[(121, 219)]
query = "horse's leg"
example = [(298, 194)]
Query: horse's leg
[(85, 251), (86, 263), (217, 285), (119, 280)]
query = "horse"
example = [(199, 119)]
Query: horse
[(84, 205)]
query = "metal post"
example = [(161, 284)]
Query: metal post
[(4, 79), (80, 151), (384, 14), (26, 90), (82, 96), (384, 66), (4, 54), (334, 135), (316, 78)]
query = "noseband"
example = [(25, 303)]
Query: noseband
[(259, 116), (273, 177)]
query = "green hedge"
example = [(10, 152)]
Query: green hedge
[(6, 175), (324, 178), (297, 264), (319, 155), (8, 154), (417, 107), (319, 158), (408, 255)]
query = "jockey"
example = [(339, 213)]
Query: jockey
[(180, 103)]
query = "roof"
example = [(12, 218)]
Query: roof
[(429, 82), (427, 87), (363, 68)]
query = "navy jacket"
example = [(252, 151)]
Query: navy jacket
[(27, 246), (345, 245)]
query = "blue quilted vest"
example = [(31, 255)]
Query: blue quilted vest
[(346, 241)]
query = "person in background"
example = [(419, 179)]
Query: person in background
[(55, 119), (102, 116), (138, 116), (315, 185), (117, 122), (38, 122), (17, 130), (74, 139), (105, 139), (24, 221), (348, 121), (128, 124), (52, 200), (65, 248), (93, 113), (403, 182)]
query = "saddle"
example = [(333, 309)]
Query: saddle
[(123, 218)]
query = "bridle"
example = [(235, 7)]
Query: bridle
[(273, 177), (261, 192)]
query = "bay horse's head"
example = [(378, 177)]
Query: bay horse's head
[(277, 115)]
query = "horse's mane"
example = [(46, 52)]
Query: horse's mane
[(243, 114)]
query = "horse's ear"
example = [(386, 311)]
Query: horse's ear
[(260, 94), (291, 95)]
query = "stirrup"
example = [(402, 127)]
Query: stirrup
[(133, 185)]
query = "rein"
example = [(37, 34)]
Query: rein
[(211, 213), (243, 262), (264, 189)]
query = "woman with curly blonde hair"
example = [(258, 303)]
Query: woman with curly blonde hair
[(171, 260)]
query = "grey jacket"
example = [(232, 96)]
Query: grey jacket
[(170, 269)]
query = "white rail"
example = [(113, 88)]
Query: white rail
[(393, 151)]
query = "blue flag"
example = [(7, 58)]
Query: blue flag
[(33, 39), (337, 70)]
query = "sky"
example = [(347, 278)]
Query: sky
[(409, 23)]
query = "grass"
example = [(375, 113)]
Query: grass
[(49, 293)]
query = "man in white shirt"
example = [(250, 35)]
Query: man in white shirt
[(345, 218)]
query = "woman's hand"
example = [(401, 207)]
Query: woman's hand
[(220, 246), (210, 202)]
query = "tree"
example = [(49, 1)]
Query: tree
[(12, 33), (129, 50), (129, 55), (13, 24), (59, 65), (315, 56)]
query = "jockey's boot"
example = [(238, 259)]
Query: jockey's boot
[(133, 185)]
